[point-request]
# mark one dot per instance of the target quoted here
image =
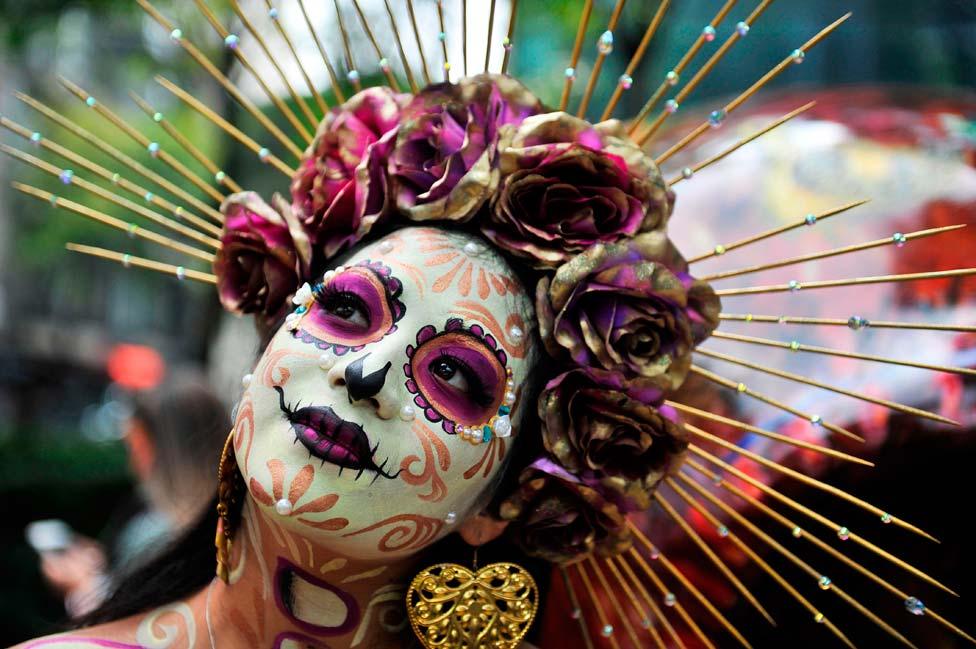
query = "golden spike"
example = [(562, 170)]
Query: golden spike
[(804, 222), (798, 532), (103, 146), (695, 504), (670, 80), (682, 613), (797, 347), (614, 602), (783, 374), (350, 62), (263, 44), (854, 322), (447, 64), (598, 64), (333, 78), (142, 140), (226, 126), (139, 262), (114, 178), (765, 538), (742, 388), (511, 35), (219, 175), (577, 611), (754, 88), (785, 439), (857, 281), (577, 50), (319, 99), (689, 171), (420, 43), (228, 85), (605, 626), (464, 34), (703, 72), (100, 217), (823, 520), (896, 239), (114, 198), (491, 33), (805, 479), (386, 69), (712, 556), (224, 33), (414, 88), (658, 613), (635, 60), (635, 603)]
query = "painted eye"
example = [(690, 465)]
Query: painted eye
[(456, 377), (348, 307), (356, 307)]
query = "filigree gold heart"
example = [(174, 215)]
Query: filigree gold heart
[(452, 608)]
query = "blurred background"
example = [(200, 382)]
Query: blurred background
[(82, 340)]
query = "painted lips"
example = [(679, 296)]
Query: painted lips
[(331, 438)]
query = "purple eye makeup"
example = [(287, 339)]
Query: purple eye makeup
[(459, 377), (351, 308)]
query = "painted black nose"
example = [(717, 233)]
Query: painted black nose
[(364, 386)]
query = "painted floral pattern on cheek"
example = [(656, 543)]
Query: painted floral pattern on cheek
[(368, 291), (297, 489), (484, 364)]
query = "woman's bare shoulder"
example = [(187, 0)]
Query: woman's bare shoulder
[(112, 635)]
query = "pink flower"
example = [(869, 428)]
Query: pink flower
[(340, 190), (567, 185), (264, 255)]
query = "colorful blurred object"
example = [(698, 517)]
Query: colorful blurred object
[(135, 367)]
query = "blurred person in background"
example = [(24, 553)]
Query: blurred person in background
[(173, 440)]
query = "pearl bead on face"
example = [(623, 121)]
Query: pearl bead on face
[(407, 413), (327, 361), (283, 507)]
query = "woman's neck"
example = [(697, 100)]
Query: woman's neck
[(285, 593)]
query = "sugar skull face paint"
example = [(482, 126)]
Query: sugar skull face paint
[(327, 453)]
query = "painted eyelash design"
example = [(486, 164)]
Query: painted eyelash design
[(453, 325), (392, 286)]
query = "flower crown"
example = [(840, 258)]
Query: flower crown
[(581, 204)]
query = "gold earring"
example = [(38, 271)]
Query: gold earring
[(492, 607), (230, 487)]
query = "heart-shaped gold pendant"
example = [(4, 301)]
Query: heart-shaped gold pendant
[(452, 608)]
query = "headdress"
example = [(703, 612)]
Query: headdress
[(582, 203)]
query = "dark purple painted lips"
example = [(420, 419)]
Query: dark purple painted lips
[(332, 439)]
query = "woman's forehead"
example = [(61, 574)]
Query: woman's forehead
[(453, 270)]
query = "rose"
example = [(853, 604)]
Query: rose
[(567, 185), (445, 162), (599, 428), (264, 255), (340, 188), (629, 307), (557, 517)]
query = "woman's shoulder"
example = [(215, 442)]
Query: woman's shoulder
[(112, 635)]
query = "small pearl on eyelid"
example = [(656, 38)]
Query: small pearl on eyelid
[(246, 380), (407, 413), (283, 507)]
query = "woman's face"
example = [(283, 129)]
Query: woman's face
[(350, 429)]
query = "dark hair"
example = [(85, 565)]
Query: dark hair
[(187, 424), (188, 564)]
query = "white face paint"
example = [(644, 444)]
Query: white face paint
[(348, 430)]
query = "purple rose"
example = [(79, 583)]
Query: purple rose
[(601, 429), (567, 185), (445, 164), (557, 517), (263, 258), (630, 307), (340, 189)]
